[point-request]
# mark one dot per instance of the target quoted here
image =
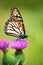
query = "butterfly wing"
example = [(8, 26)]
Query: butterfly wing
[(14, 26), (16, 16), (11, 28)]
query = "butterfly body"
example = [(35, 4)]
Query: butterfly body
[(14, 26)]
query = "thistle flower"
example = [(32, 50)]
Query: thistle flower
[(4, 44), (19, 44)]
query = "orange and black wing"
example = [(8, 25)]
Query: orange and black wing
[(14, 26), (16, 16)]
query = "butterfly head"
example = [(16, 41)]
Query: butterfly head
[(23, 36)]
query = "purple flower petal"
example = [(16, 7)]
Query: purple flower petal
[(19, 44), (4, 44)]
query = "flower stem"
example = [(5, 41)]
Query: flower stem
[(19, 56), (3, 58), (18, 52)]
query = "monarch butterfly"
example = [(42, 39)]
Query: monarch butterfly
[(14, 26)]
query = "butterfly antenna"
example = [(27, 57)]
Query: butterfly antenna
[(31, 37)]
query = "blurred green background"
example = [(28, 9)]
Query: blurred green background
[(32, 13)]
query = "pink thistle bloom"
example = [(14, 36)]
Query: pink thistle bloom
[(19, 44), (4, 44)]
